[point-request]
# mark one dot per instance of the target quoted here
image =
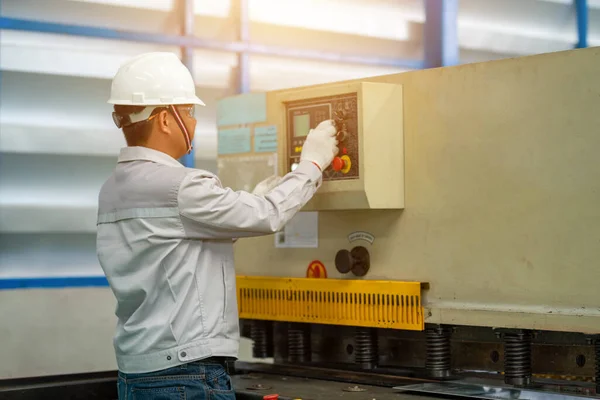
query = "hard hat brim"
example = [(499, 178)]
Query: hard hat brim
[(198, 102), (192, 100)]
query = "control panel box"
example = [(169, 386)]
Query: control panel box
[(368, 172), (303, 115)]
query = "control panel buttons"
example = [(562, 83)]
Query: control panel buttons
[(347, 164), (337, 164), (339, 120), (305, 114), (341, 164)]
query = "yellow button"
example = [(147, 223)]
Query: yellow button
[(347, 164)]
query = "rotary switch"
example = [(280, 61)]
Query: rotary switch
[(356, 260)]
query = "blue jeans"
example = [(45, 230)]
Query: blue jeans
[(200, 380)]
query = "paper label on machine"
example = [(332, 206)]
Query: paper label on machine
[(233, 141), (302, 231)]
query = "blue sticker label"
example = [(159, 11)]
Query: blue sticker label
[(233, 141), (265, 139), (247, 108)]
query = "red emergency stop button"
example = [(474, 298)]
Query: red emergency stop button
[(271, 397), (342, 164), (337, 164)]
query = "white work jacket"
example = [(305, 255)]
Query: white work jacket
[(165, 244)]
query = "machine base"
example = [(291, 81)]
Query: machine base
[(253, 381)]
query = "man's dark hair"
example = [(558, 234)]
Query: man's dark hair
[(135, 134)]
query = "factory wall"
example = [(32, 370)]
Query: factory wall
[(58, 142)]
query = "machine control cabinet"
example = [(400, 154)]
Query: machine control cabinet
[(368, 172)]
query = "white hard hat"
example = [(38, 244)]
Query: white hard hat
[(153, 79)]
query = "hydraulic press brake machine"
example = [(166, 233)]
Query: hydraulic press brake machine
[(456, 234)]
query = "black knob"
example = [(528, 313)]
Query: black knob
[(356, 260), (343, 261)]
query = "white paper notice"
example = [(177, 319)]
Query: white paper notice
[(301, 232)]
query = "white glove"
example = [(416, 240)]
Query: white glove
[(267, 185), (320, 145)]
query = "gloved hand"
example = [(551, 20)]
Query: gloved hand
[(320, 145), (266, 185)]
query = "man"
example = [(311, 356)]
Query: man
[(165, 236)]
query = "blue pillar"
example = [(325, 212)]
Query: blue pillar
[(187, 23), (440, 35), (581, 10)]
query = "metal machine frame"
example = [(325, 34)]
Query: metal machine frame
[(495, 232)]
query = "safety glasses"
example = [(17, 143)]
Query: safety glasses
[(188, 109), (149, 113)]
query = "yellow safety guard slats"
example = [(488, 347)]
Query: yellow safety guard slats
[(378, 304)]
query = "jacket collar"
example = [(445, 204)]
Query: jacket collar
[(138, 153)]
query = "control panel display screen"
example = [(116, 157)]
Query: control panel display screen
[(301, 125), (304, 115)]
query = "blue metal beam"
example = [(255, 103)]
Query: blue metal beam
[(440, 36), (181, 41), (582, 11), (52, 283), (187, 16)]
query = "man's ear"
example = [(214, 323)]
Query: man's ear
[(163, 122)]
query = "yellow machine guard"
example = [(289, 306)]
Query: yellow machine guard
[(377, 304)]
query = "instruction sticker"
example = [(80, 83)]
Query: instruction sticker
[(233, 141), (246, 108), (302, 231), (265, 139), (361, 235)]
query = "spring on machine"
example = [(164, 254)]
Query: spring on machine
[(299, 349), (517, 358), (438, 362), (366, 352), (259, 336)]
